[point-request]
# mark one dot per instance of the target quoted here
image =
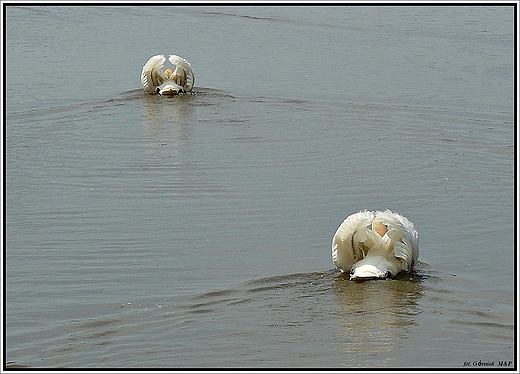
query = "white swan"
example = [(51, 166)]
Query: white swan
[(168, 82), (375, 245)]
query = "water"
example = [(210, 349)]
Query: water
[(194, 231)]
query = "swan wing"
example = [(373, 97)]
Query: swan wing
[(404, 235), (185, 74), (152, 76), (345, 252)]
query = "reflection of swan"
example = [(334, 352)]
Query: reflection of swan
[(168, 82), (375, 245), (376, 319)]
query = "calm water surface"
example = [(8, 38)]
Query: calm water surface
[(194, 231)]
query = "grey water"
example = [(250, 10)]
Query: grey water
[(195, 231)]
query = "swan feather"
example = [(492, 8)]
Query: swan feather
[(382, 240)]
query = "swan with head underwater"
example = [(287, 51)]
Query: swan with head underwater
[(168, 82), (375, 245)]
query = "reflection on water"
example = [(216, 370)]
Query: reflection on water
[(168, 131), (167, 122), (376, 315), (168, 118), (318, 319)]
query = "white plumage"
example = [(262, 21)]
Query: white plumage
[(168, 82), (375, 245)]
